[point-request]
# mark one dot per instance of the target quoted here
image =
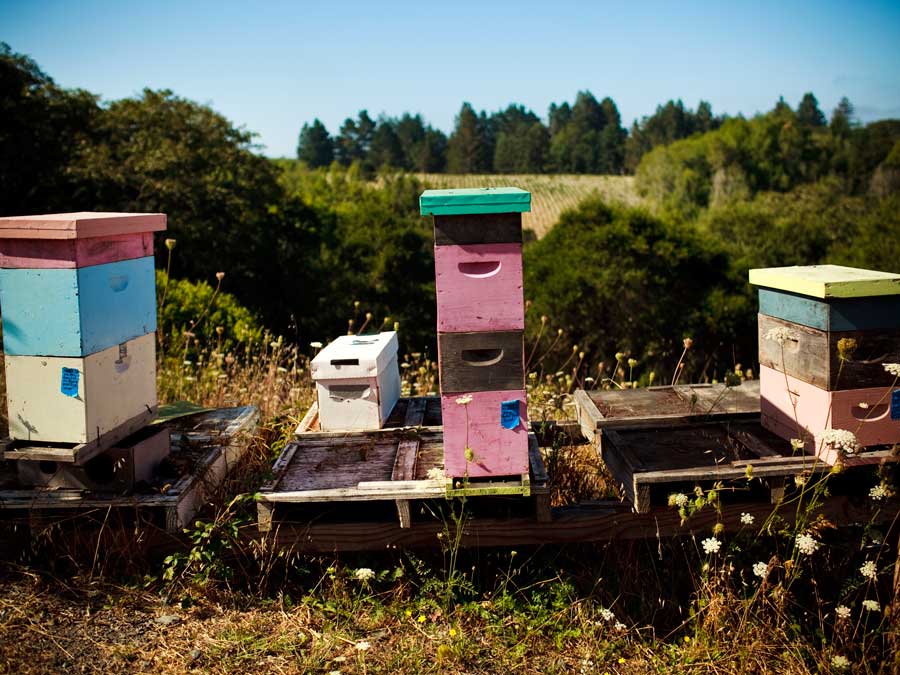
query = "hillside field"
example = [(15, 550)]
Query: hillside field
[(551, 194)]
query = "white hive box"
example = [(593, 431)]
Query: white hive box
[(109, 394), (357, 381)]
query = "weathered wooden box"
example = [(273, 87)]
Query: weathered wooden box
[(357, 381), (489, 361), (71, 253), (479, 287), (77, 312), (134, 460), (795, 409), (73, 399), (493, 426), (820, 358)]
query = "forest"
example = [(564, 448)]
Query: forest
[(308, 245)]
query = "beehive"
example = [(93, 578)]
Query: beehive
[(357, 381), (78, 297), (481, 319), (825, 334)]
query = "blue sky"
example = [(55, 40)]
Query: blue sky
[(271, 65)]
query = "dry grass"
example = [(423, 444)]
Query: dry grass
[(551, 194)]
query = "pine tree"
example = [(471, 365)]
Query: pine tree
[(466, 147), (808, 112), (315, 147)]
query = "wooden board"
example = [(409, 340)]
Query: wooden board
[(77, 312), (479, 288), (71, 253), (481, 361), (386, 465), (827, 281), (205, 447), (881, 312), (663, 406), (83, 224), (497, 228), (107, 395), (460, 201), (812, 355), (650, 463)]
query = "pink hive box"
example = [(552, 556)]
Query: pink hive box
[(479, 288), (74, 240), (865, 412), (498, 451)]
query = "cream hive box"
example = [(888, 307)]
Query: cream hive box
[(826, 333), (357, 381), (78, 301)]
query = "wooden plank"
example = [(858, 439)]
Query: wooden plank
[(827, 281), (603, 521), (812, 355), (837, 314), (310, 421), (84, 224), (497, 228), (407, 454), (459, 201), (489, 361), (589, 416), (72, 253)]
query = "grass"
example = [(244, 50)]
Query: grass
[(551, 194)]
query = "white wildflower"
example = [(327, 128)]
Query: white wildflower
[(871, 605), (620, 626), (607, 614), (893, 368), (747, 518), (316, 345), (362, 646), (807, 543), (797, 444), (334, 672), (800, 480), (680, 499), (869, 569), (780, 335), (842, 612), (364, 574), (464, 400), (711, 545), (879, 492), (436, 473), (841, 439), (840, 662), (760, 569)]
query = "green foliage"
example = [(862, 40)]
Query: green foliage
[(622, 280), (670, 122), (315, 147), (468, 149), (199, 308)]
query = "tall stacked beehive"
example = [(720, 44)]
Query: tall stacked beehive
[(78, 297), (481, 320), (825, 334)]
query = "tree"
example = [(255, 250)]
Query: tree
[(467, 147), (40, 125), (354, 139), (808, 112), (386, 149), (316, 147), (843, 118)]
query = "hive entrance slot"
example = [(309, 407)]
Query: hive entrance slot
[(482, 357), (869, 413), (480, 270), (345, 362)]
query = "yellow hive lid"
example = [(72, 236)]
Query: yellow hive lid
[(827, 281)]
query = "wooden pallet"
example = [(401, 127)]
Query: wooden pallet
[(383, 465), (651, 463), (205, 447), (599, 410)]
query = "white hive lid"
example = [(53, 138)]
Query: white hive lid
[(355, 356)]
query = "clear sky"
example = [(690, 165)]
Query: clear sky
[(272, 65)]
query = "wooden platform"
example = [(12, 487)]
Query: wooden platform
[(664, 406), (663, 440), (205, 447), (395, 464)]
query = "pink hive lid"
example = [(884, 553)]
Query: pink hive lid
[(79, 225)]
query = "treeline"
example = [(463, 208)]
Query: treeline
[(584, 137)]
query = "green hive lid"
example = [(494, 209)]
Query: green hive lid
[(827, 281), (474, 200)]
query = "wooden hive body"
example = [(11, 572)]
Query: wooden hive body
[(357, 381), (481, 318), (78, 399)]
